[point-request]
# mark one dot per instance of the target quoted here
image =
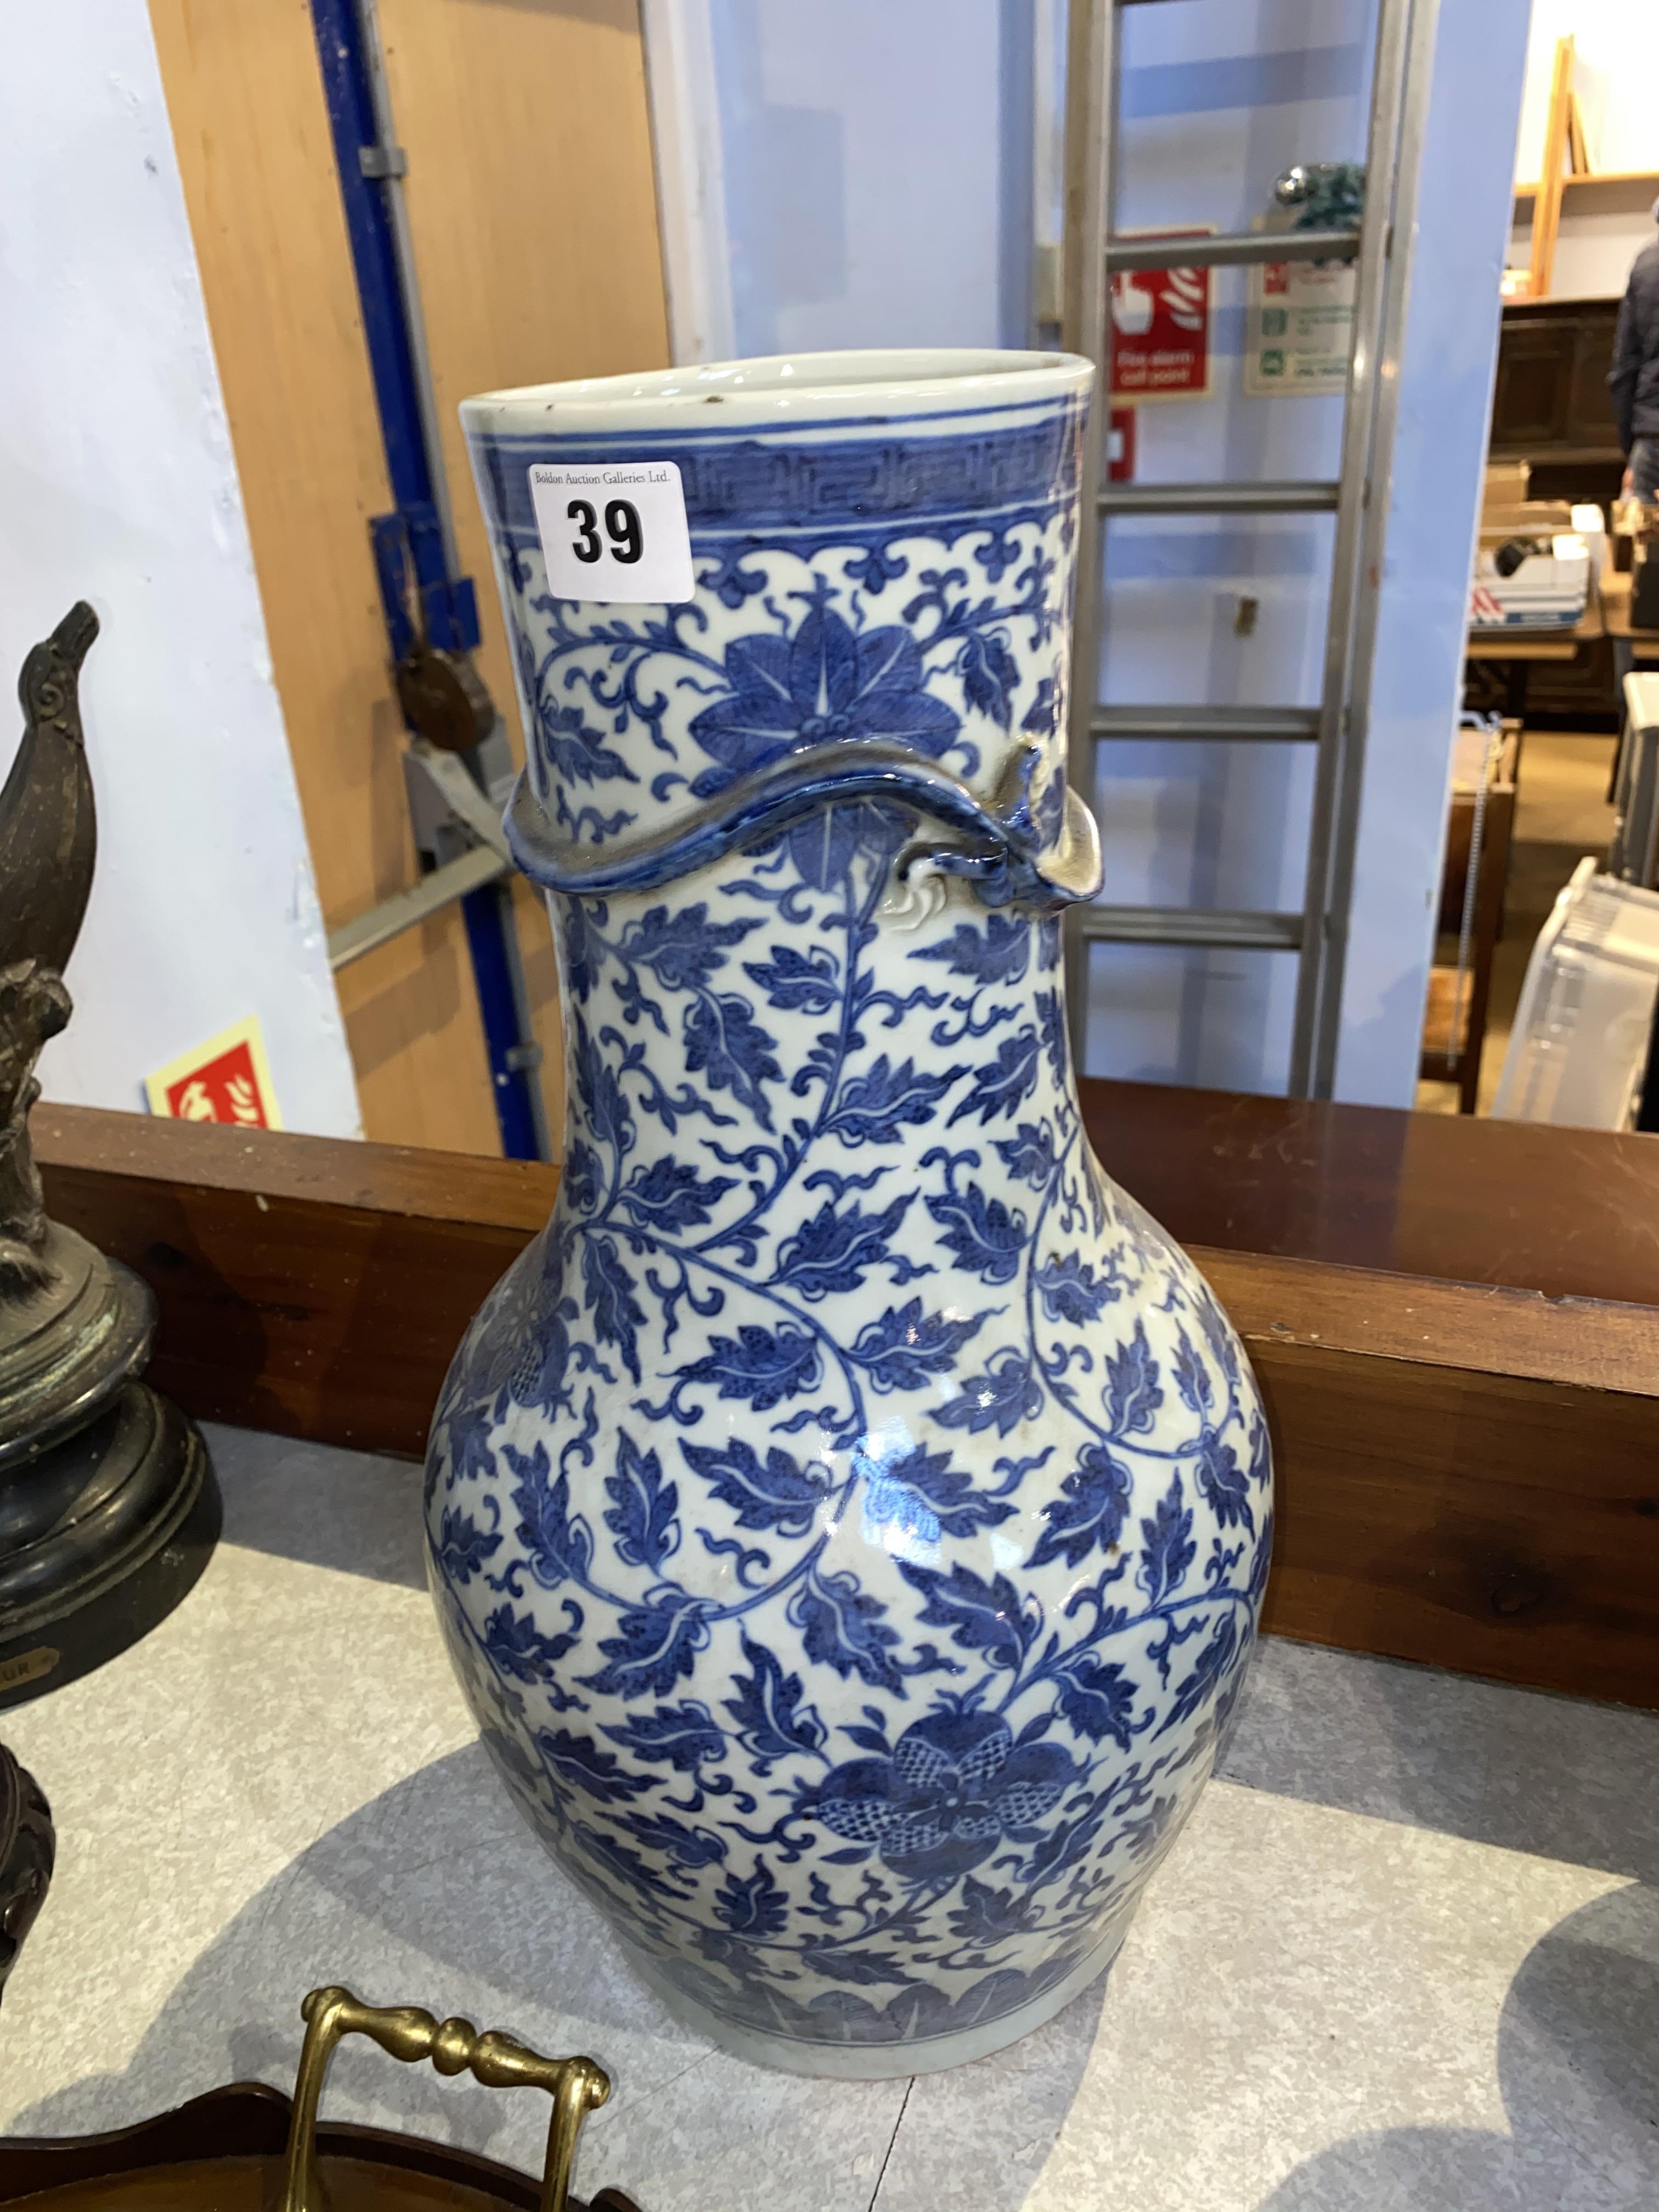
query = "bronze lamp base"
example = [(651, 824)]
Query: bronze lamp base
[(108, 1508)]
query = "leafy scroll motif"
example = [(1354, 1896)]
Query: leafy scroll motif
[(816, 670), (851, 1515)]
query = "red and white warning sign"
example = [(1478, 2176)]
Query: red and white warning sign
[(1161, 329), (226, 1079)]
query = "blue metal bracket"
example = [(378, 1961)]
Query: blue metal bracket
[(401, 388), (407, 543), (390, 539), (426, 599)]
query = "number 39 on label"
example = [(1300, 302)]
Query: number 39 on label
[(614, 530)]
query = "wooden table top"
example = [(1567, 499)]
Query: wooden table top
[(1615, 614), (1463, 1426), (1569, 1212), (1514, 642)]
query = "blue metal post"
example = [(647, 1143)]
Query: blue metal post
[(487, 925), (447, 599)]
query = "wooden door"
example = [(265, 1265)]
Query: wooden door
[(531, 201)]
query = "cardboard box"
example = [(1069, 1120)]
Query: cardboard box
[(1531, 517), (1549, 591), (1506, 484)]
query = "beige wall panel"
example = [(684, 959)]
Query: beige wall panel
[(420, 986), (245, 101), (532, 204), (531, 201)]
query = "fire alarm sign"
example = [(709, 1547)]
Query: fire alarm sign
[(1161, 329)]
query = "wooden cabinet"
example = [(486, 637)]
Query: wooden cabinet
[(1550, 404)]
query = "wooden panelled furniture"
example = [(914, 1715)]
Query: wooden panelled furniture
[(1552, 678), (532, 199), (1455, 1324), (1550, 404), (1551, 410)]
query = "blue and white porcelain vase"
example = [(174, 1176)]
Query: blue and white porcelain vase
[(849, 1518)]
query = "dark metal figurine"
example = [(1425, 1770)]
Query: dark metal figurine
[(108, 1508), (48, 843), (27, 1847)]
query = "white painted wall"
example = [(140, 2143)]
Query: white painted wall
[(862, 170), (1616, 53), (117, 485), (875, 194), (1616, 74)]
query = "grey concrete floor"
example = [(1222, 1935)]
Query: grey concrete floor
[(1406, 1958)]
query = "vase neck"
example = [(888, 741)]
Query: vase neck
[(791, 1014)]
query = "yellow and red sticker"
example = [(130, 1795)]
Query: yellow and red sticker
[(226, 1079)]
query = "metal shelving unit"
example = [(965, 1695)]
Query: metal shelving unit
[(1357, 498)]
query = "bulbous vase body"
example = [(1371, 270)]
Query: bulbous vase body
[(849, 1518)]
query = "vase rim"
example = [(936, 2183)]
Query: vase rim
[(788, 390)]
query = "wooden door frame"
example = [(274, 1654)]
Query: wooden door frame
[(682, 86)]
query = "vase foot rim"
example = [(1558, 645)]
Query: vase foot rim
[(852, 2062)]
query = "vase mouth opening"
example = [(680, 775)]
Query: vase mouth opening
[(784, 388)]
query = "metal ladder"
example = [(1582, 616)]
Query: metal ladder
[(1357, 498)]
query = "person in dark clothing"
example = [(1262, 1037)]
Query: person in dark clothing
[(1633, 380)]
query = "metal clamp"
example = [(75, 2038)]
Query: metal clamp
[(471, 852), (498, 2061), (378, 162)]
